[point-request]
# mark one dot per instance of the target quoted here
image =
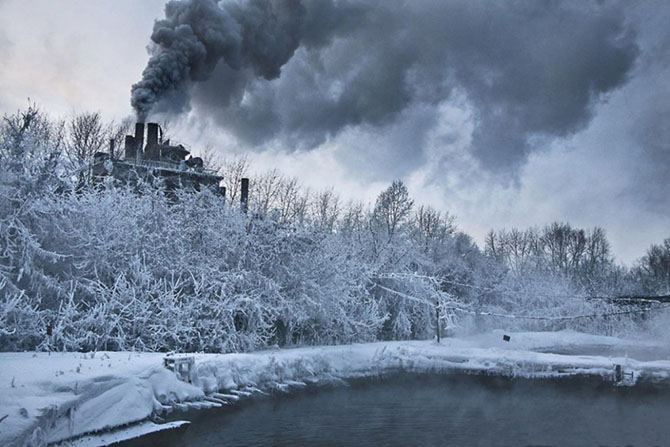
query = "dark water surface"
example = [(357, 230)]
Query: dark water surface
[(454, 410)]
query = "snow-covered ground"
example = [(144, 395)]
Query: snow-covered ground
[(48, 398)]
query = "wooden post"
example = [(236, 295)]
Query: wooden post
[(49, 334), (437, 319)]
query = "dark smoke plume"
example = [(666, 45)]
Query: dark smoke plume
[(197, 34), (302, 71)]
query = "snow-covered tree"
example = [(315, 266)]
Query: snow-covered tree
[(653, 269), (118, 268)]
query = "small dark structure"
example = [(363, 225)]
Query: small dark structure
[(183, 367), (622, 377), (157, 160)]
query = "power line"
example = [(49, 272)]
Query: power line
[(649, 301), (540, 317), (629, 298)]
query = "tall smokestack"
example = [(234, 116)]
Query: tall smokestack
[(130, 148), (139, 139), (152, 135), (244, 197)]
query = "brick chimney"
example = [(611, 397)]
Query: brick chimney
[(152, 134), (139, 139), (130, 148)]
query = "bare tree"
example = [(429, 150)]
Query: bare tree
[(300, 208), (392, 208), (353, 221), (492, 247), (266, 191), (165, 129), (653, 270), (210, 159), (116, 136), (233, 170), (597, 250), (291, 201), (556, 240), (432, 227), (31, 121), (325, 210), (86, 136)]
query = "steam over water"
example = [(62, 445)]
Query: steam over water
[(454, 410)]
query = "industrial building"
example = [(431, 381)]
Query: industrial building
[(156, 162)]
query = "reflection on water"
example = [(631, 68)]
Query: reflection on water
[(455, 410)]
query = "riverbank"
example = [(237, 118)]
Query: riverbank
[(49, 398)]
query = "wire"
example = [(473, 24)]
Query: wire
[(404, 295), (512, 316), (633, 299), (538, 317)]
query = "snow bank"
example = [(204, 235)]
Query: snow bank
[(50, 398)]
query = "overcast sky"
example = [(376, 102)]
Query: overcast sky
[(505, 114)]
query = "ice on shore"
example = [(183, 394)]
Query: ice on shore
[(47, 398)]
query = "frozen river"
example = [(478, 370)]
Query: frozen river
[(453, 410)]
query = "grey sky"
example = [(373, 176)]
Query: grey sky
[(508, 113)]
